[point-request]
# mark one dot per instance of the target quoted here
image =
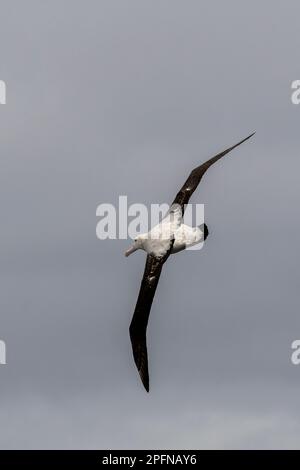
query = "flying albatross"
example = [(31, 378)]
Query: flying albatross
[(169, 236)]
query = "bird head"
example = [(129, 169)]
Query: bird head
[(137, 245)]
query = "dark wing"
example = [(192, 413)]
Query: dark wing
[(140, 317), (195, 177)]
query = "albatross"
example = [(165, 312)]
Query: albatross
[(170, 236)]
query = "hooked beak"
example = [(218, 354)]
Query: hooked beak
[(130, 250)]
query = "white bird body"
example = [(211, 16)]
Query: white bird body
[(157, 241), (186, 236)]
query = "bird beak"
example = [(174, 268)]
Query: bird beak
[(130, 250)]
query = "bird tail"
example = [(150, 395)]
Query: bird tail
[(204, 229)]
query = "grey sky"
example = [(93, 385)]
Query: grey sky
[(125, 97)]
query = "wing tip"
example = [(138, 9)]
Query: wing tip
[(142, 367), (233, 147), (249, 137), (144, 375), (146, 384)]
